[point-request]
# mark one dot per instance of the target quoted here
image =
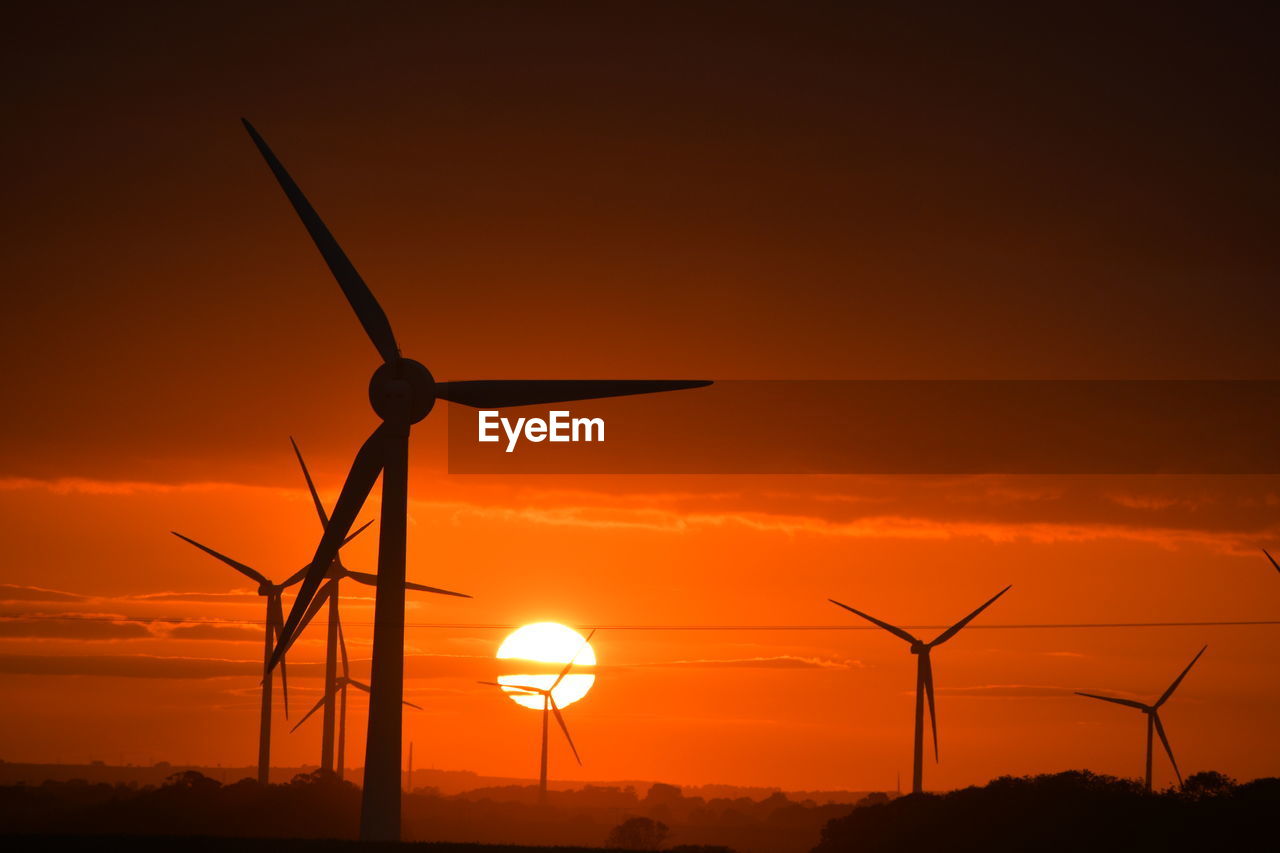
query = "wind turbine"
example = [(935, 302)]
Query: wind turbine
[(275, 625), (1153, 717), (924, 680), (338, 687), (402, 392), (330, 593), (548, 707)]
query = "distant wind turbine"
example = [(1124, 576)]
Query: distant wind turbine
[(1153, 717), (549, 707), (924, 680), (338, 687), (402, 392), (274, 626), (330, 593)]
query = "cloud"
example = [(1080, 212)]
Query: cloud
[(217, 632), (1008, 691), (1228, 514), (87, 486), (788, 662), (72, 628), (19, 592), (127, 666), (235, 596)]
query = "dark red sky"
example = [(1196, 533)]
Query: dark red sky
[(724, 189), (728, 191)]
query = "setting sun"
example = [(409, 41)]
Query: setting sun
[(547, 642)]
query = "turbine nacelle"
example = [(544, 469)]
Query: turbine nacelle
[(402, 389)]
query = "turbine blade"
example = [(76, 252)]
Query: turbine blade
[(1155, 718), (316, 603), (955, 629), (252, 574), (892, 629), (569, 665), (555, 709), (359, 530), (364, 472), (1172, 687), (506, 393), (342, 647), (1126, 702), (531, 691), (316, 707), (372, 580), (928, 692), (368, 311), (359, 684), (411, 705), (311, 487), (1272, 559), (422, 588), (277, 623)]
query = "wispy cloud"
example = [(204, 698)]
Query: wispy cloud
[(127, 666), (216, 632), (71, 629), (775, 662), (19, 592), (1008, 691)]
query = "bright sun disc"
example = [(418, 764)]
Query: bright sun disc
[(548, 643)]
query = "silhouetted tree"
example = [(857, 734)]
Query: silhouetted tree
[(638, 833), (662, 793), (1071, 811), (1208, 783)]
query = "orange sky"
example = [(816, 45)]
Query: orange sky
[(834, 195)]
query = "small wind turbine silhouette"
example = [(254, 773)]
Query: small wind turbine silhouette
[(275, 624), (402, 392), (548, 707), (924, 680), (338, 687), (330, 593), (1153, 717)]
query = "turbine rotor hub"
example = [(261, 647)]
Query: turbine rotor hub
[(919, 648), (402, 390)]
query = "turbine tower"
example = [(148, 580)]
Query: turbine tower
[(1154, 726), (330, 593), (924, 680), (402, 392), (274, 625), (548, 707)]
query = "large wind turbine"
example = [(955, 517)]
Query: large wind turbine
[(338, 687), (924, 680), (548, 707), (331, 593), (402, 392), (1153, 717), (275, 626)]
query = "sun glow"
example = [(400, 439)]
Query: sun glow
[(546, 643)]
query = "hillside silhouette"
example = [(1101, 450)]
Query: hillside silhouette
[(319, 806), (1075, 810)]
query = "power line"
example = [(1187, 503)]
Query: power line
[(463, 626)]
